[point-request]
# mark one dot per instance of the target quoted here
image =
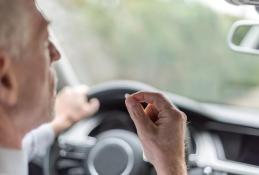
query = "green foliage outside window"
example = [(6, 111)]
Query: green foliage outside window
[(172, 45)]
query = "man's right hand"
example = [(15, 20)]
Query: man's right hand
[(72, 106), (161, 129)]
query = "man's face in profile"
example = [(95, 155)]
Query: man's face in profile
[(36, 75)]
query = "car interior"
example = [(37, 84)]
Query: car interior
[(222, 138)]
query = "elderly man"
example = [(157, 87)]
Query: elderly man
[(26, 74), (27, 95)]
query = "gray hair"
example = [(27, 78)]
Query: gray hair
[(12, 26)]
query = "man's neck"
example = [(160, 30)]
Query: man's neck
[(9, 134)]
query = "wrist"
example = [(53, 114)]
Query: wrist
[(176, 166), (170, 163), (55, 127), (59, 125)]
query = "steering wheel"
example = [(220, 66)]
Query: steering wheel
[(105, 144)]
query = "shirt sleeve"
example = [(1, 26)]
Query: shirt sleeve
[(36, 142)]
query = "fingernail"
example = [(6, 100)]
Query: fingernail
[(126, 95)]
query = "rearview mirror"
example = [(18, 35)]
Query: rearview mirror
[(244, 37)]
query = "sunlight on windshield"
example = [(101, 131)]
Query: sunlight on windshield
[(178, 46)]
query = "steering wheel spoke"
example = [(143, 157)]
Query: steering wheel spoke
[(74, 148), (72, 154)]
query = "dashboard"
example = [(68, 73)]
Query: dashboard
[(221, 140)]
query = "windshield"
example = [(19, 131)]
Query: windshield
[(175, 45)]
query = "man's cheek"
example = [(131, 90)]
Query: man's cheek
[(53, 81)]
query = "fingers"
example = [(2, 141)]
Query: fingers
[(137, 113), (82, 89), (73, 102), (154, 98), (91, 107), (86, 108)]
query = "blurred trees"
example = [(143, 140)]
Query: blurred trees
[(172, 45)]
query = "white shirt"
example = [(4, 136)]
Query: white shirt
[(35, 143), (13, 162)]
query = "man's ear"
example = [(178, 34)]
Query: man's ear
[(8, 83)]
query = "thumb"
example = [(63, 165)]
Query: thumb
[(142, 122), (152, 112)]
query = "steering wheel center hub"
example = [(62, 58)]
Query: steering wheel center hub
[(111, 156)]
